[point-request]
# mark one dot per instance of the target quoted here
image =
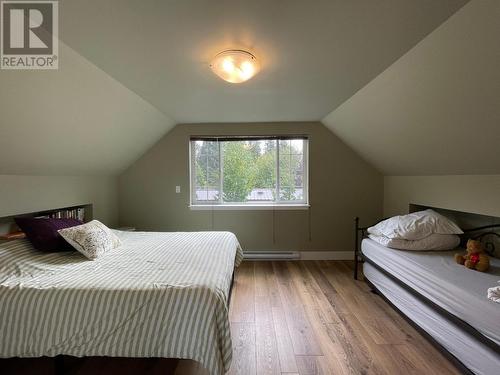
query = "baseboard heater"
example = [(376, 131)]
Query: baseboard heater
[(271, 255)]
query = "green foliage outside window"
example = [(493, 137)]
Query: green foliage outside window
[(238, 171), (246, 166)]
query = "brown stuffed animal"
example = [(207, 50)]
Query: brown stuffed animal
[(475, 258)]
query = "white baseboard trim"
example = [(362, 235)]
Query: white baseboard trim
[(327, 255)]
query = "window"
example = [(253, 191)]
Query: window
[(250, 171)]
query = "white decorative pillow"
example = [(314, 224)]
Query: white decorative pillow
[(92, 239), (432, 242), (415, 226)]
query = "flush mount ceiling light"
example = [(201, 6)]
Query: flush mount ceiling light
[(235, 66)]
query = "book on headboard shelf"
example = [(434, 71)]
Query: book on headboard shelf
[(71, 213)]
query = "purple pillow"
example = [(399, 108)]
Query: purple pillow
[(42, 232)]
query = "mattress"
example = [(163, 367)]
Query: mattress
[(435, 275), (158, 295), (477, 357)]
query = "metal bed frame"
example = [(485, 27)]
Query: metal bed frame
[(360, 233)]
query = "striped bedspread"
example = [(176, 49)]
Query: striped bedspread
[(158, 295)]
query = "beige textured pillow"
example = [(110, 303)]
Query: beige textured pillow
[(92, 239)]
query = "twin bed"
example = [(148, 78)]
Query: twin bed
[(444, 300), (158, 295)]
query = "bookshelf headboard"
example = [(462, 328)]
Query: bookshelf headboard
[(82, 212)]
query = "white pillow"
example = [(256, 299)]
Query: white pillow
[(432, 242), (92, 239), (415, 226)]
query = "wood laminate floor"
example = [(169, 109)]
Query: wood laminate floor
[(303, 317)]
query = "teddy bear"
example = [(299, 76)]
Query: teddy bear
[(475, 258)]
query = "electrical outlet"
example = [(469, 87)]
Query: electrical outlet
[(177, 189)]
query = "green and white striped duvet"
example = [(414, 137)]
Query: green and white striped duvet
[(158, 295)]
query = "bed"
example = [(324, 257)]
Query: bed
[(446, 301), (158, 295)]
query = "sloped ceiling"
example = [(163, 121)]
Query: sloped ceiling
[(75, 121), (129, 70), (315, 54), (437, 109)]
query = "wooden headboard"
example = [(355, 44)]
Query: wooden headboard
[(82, 212)]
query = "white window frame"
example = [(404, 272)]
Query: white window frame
[(275, 205)]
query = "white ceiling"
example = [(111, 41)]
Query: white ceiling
[(315, 54), (437, 109)]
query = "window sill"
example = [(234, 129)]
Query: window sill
[(248, 207)]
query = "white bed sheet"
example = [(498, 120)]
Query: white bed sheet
[(435, 275), (477, 357)]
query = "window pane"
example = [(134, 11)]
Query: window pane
[(264, 183), (206, 171), (291, 166), (249, 171)]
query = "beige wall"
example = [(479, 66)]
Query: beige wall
[(477, 194), (341, 186), (22, 194)]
